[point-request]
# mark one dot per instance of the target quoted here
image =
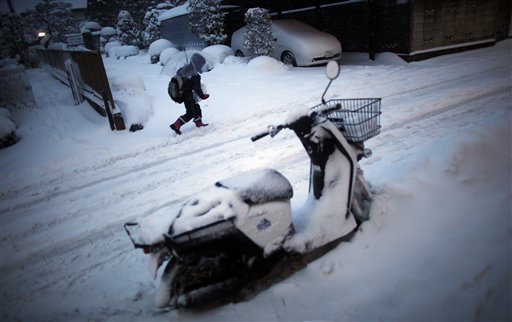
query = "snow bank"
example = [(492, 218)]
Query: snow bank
[(264, 65), (130, 96)]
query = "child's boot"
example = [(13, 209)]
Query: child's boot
[(177, 125), (199, 123)]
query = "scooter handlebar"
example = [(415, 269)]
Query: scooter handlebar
[(271, 130), (259, 136)]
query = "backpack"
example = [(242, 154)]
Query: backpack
[(175, 88)]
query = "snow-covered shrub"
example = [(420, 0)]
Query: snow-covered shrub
[(166, 54), (124, 51), (90, 26), (110, 48), (258, 38), (219, 52), (151, 27), (156, 48), (108, 34), (7, 129), (207, 20), (15, 88), (129, 33)]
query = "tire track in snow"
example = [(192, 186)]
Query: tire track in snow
[(108, 165), (448, 108)]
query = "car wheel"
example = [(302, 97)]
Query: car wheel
[(288, 59), (239, 53)]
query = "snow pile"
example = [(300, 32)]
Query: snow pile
[(111, 47), (130, 96), (123, 51), (264, 65)]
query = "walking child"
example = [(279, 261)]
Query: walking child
[(190, 78)]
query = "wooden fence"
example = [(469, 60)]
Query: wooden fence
[(84, 73)]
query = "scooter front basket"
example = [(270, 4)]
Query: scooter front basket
[(357, 118)]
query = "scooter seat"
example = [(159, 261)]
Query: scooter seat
[(260, 186)]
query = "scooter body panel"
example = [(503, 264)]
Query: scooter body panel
[(326, 213)]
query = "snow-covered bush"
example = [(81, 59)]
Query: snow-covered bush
[(207, 20), (156, 48), (91, 26), (166, 54), (123, 51), (219, 52), (258, 38), (7, 129), (108, 33), (152, 27), (129, 33), (110, 48), (15, 88)]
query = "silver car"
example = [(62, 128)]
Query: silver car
[(297, 44)]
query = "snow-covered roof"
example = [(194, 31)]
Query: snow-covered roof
[(183, 10), (174, 12)]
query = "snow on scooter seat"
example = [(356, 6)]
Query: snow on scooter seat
[(231, 197)]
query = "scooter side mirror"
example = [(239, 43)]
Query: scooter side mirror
[(332, 70)]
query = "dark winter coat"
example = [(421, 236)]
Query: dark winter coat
[(192, 71)]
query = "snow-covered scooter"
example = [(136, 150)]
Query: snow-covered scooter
[(237, 231)]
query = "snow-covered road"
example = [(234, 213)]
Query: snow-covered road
[(69, 185)]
